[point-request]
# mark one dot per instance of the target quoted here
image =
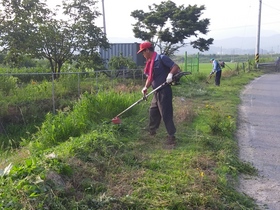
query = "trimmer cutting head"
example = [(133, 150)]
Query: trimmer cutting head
[(116, 120)]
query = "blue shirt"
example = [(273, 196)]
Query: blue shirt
[(216, 66), (162, 66)]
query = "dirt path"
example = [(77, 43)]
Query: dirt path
[(259, 139)]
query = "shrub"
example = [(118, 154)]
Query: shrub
[(8, 84)]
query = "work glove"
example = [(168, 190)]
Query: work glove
[(169, 78), (144, 91)]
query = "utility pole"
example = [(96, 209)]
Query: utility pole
[(258, 36), (104, 22)]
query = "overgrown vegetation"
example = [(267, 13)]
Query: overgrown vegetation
[(78, 159)]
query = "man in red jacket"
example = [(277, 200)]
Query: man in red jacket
[(159, 69)]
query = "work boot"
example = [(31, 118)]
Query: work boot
[(153, 132), (171, 140)]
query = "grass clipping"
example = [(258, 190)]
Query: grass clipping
[(183, 110)]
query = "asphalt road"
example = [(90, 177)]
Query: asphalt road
[(259, 139)]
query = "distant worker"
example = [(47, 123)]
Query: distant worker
[(216, 69), (159, 69)]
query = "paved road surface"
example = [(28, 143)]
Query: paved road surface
[(259, 139)]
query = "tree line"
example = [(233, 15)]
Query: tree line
[(30, 29)]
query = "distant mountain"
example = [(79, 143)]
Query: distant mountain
[(240, 45), (233, 45)]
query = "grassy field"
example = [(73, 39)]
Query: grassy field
[(79, 160)]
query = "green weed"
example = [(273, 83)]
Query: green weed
[(220, 124)]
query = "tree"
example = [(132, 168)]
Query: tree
[(169, 26), (121, 62), (18, 25), (31, 28)]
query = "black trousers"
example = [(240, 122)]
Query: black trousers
[(218, 77), (161, 108)]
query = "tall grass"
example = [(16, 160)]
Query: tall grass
[(86, 114)]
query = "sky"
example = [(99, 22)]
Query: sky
[(238, 18), (227, 18)]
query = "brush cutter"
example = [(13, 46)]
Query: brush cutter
[(175, 81), (228, 67), (117, 120), (208, 78)]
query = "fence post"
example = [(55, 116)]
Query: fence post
[(79, 91), (197, 62), (186, 61), (53, 93)]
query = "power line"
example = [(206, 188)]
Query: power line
[(272, 7), (244, 26), (229, 28)]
